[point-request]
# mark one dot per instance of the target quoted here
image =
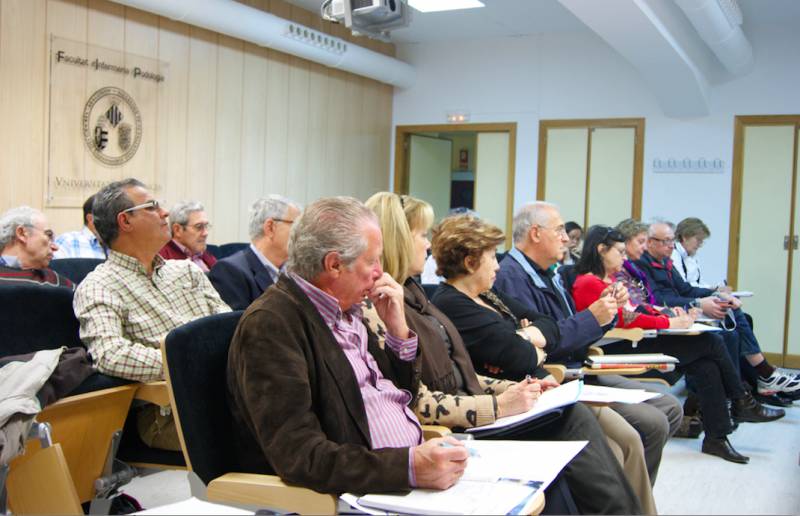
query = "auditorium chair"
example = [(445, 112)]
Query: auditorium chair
[(195, 361), (88, 423), (75, 268), (226, 250)]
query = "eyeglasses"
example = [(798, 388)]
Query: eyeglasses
[(47, 232), (152, 205), (559, 230), (664, 241), (290, 222), (200, 226)]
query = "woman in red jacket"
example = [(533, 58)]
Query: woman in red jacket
[(702, 357)]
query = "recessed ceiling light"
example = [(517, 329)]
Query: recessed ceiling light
[(430, 6)]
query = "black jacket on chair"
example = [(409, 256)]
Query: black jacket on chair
[(240, 278)]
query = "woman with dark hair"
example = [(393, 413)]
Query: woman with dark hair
[(573, 252), (703, 357)]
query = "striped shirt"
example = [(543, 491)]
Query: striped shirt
[(79, 244), (124, 313), (391, 423)]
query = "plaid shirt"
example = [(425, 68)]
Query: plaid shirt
[(79, 244), (124, 314)]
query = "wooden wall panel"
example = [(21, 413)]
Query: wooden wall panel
[(235, 121), (201, 115), (173, 47), (225, 213)]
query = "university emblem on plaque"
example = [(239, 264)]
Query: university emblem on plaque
[(112, 126)]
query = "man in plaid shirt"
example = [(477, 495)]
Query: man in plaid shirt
[(129, 303)]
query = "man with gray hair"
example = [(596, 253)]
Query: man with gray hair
[(314, 398), (540, 239), (26, 248), (246, 274), (190, 227), (129, 303)]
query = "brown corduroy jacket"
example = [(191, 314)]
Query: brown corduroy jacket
[(297, 408)]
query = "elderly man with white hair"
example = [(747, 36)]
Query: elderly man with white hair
[(314, 398), (26, 248), (190, 226), (246, 274)]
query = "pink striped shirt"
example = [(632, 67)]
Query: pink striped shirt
[(391, 423)]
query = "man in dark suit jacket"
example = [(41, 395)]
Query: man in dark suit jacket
[(246, 274), (312, 393), (540, 239)]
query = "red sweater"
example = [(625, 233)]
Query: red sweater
[(587, 289)]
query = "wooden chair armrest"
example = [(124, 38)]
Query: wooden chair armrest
[(631, 334), (269, 491), (535, 505), (153, 392), (595, 351), (624, 371), (434, 431), (557, 371)]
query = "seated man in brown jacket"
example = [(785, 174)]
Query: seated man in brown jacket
[(314, 399)]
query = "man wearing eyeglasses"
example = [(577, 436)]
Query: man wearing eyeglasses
[(129, 303), (26, 248), (245, 275), (670, 289), (190, 227)]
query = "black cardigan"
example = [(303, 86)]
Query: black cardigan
[(491, 337)]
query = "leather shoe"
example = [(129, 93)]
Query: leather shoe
[(747, 410), (774, 400), (722, 448)]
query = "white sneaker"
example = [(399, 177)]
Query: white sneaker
[(780, 380)]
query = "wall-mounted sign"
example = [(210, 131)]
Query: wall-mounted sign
[(104, 119), (688, 166)]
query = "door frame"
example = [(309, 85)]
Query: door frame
[(401, 150), (737, 177), (637, 124)]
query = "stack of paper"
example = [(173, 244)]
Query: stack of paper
[(501, 478), (693, 329), (601, 394), (656, 361), (549, 402)]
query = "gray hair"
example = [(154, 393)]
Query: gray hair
[(534, 213), (269, 207), (631, 227), (21, 216), (109, 202), (656, 221), (179, 214), (329, 224)]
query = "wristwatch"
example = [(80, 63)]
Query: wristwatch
[(695, 303)]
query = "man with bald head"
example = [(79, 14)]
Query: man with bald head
[(670, 289), (26, 248)]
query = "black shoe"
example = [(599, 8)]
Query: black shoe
[(776, 400), (747, 410), (722, 448), (691, 427)]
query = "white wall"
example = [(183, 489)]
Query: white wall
[(576, 75)]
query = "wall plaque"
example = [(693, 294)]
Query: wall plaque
[(104, 119)]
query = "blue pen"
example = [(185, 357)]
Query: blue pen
[(472, 452)]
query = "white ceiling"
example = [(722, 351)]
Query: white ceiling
[(504, 18)]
